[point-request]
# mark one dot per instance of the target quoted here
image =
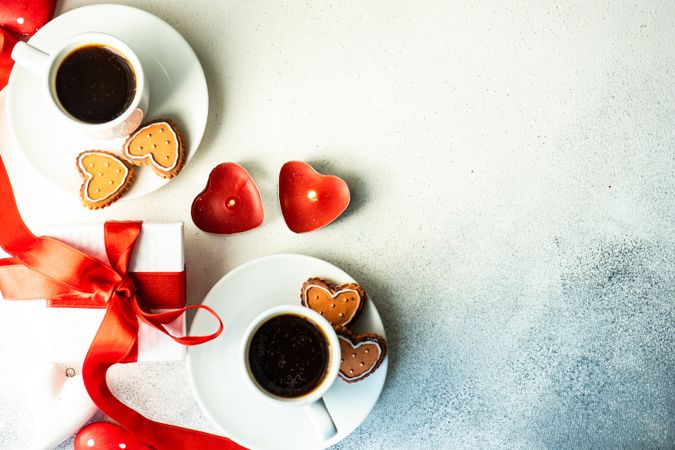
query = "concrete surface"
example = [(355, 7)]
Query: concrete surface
[(513, 208)]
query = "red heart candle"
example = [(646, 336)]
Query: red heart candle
[(25, 16), (308, 199), (230, 203), (107, 436)]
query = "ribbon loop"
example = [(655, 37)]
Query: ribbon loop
[(158, 320)]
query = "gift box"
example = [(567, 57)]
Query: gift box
[(157, 267), (78, 275)]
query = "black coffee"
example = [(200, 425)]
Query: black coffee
[(95, 84), (288, 356)]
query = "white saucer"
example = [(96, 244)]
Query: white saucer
[(177, 91), (215, 368)]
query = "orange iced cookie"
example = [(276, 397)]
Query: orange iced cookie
[(361, 355), (106, 178), (340, 305), (158, 145)]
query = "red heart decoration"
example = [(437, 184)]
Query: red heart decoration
[(308, 199), (25, 16), (230, 203), (107, 436), (7, 42)]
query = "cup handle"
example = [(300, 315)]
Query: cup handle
[(321, 420), (31, 58)]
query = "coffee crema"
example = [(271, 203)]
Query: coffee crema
[(288, 356), (95, 84)]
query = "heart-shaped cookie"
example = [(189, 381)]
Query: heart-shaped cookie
[(230, 203), (308, 199), (361, 355), (106, 178), (158, 145), (340, 305)]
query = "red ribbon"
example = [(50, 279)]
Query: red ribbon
[(58, 270), (159, 290)]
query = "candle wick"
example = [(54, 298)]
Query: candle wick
[(231, 203)]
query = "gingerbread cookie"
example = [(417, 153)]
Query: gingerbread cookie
[(340, 305), (361, 355), (158, 145), (106, 178)]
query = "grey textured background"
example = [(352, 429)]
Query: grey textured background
[(513, 213)]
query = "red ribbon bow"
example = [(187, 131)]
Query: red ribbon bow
[(56, 270)]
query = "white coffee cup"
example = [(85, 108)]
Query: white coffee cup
[(46, 67), (312, 402)]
